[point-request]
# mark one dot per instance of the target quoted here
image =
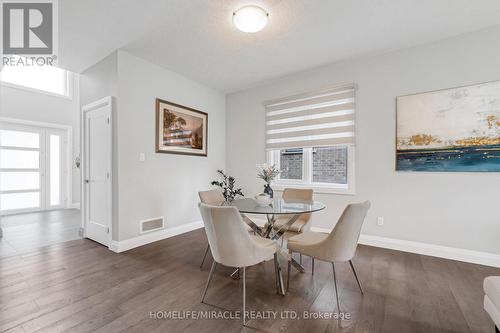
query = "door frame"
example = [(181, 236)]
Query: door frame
[(67, 179), (106, 101)]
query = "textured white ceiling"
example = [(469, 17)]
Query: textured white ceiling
[(197, 39)]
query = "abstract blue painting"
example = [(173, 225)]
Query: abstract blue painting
[(452, 130)]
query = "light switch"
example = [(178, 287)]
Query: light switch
[(380, 221), (142, 157)]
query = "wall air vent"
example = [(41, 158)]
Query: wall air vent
[(151, 224)]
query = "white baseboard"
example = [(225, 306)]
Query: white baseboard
[(475, 257), (74, 205), (153, 236), (453, 253)]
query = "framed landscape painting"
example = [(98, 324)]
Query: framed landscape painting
[(453, 130), (180, 130)]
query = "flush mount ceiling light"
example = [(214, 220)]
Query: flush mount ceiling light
[(250, 19)]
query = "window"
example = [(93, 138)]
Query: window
[(311, 140), (329, 165), (47, 79), (291, 162)]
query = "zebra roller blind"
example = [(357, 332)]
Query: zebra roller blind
[(323, 118)]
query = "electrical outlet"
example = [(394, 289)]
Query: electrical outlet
[(380, 221), (142, 157)]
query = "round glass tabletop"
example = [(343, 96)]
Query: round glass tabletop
[(278, 206)]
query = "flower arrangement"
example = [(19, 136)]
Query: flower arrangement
[(227, 185), (268, 173)]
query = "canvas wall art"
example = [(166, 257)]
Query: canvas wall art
[(180, 130), (454, 130)]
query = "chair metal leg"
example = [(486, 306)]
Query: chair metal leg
[(288, 271), (236, 274), (298, 266), (336, 290), (210, 276), (356, 276), (300, 258), (312, 268), (276, 274), (204, 256), (244, 296), (280, 288)]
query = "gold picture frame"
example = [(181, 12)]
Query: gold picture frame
[(180, 129)]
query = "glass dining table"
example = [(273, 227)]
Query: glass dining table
[(278, 208)]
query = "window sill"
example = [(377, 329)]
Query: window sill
[(316, 188)]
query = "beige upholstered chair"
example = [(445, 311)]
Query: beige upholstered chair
[(214, 198), (231, 245), (302, 223), (338, 246), (211, 197), (491, 286)]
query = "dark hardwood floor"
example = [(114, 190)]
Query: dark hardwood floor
[(80, 286)]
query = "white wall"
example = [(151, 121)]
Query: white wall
[(100, 80), (27, 105), (450, 209), (165, 184)]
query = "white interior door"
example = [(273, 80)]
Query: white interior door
[(97, 173)]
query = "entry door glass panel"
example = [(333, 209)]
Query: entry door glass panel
[(19, 139), (15, 181), (19, 159), (20, 169), (55, 169), (31, 168), (11, 201)]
